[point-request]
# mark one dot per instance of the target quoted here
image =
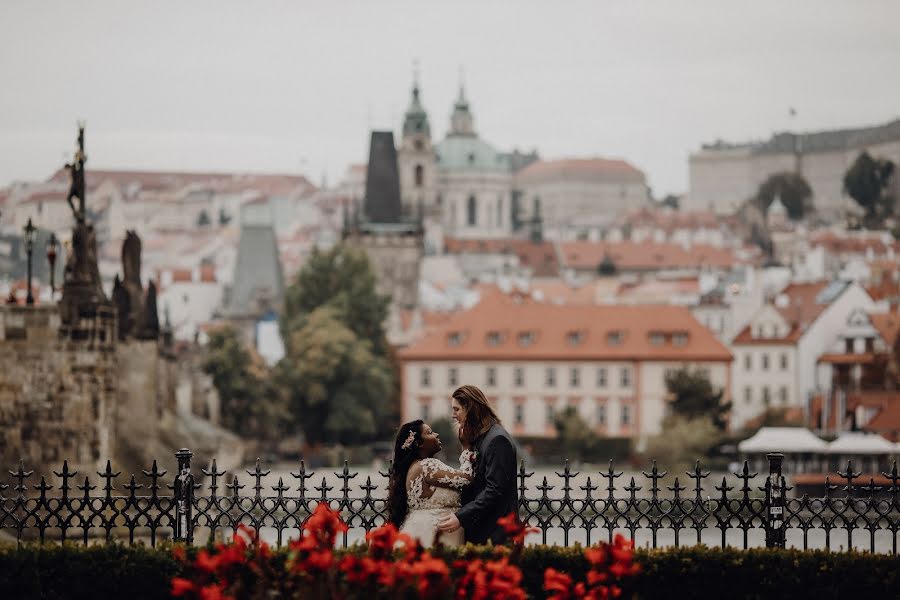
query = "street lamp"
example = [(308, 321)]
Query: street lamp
[(29, 248), (51, 258)]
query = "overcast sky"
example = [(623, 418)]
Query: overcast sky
[(296, 86)]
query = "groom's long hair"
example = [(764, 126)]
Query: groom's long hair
[(479, 414), (403, 460)]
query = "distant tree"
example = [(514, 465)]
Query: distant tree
[(867, 181), (337, 388), (224, 217), (449, 440), (574, 435), (683, 441), (792, 189), (203, 219), (250, 405), (342, 278), (671, 201), (693, 397)]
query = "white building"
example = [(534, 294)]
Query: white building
[(533, 359), (776, 353)]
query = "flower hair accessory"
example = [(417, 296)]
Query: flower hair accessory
[(409, 440)]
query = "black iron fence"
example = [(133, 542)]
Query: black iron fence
[(750, 510)]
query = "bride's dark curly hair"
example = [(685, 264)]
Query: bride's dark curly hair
[(403, 460)]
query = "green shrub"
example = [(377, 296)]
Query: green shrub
[(137, 573)]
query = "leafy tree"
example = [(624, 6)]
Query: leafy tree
[(343, 279), (203, 219), (693, 397), (683, 441), (867, 181), (250, 405), (574, 435), (337, 388), (792, 189), (224, 217), (671, 201)]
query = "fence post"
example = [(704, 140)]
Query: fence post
[(184, 497), (775, 489)]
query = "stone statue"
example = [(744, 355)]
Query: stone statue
[(121, 301), (151, 316), (82, 292)]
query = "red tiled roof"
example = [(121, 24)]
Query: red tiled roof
[(644, 256), (540, 257), (887, 325), (497, 328), (887, 421), (800, 311)]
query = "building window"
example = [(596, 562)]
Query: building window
[(526, 338), (420, 176), (784, 361), (748, 394), (454, 338), (748, 362), (574, 377), (551, 377), (452, 377), (425, 411), (518, 376), (848, 345), (551, 413), (766, 396), (783, 394), (657, 338), (575, 337), (494, 338), (425, 374), (471, 208), (491, 376), (765, 362), (680, 339), (626, 415), (519, 414), (626, 376), (601, 414), (601, 377), (614, 338)]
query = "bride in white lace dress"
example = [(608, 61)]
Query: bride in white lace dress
[(422, 488)]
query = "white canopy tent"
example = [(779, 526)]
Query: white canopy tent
[(860, 442), (787, 440)]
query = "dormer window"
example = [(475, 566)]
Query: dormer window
[(454, 338), (574, 338), (471, 158), (680, 338), (494, 338), (657, 338), (615, 338), (526, 338)]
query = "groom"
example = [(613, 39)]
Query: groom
[(492, 493)]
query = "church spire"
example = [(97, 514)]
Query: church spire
[(461, 122), (415, 121)]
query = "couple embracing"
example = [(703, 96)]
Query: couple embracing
[(434, 502)]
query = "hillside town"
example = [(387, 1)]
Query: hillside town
[(553, 283)]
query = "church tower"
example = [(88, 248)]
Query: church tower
[(417, 165)]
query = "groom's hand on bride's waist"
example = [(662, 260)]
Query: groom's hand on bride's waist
[(448, 524)]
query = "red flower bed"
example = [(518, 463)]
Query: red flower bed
[(392, 566)]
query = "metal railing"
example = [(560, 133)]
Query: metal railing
[(850, 514)]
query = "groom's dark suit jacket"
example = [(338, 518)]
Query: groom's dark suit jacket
[(492, 493)]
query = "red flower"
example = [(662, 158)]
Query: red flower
[(206, 562), (514, 528), (596, 555), (213, 592), (557, 584), (432, 575), (181, 586), (179, 553)]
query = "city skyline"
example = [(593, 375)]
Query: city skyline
[(299, 89)]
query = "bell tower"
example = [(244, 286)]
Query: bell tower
[(417, 162)]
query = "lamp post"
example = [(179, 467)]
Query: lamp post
[(51, 258), (29, 248)]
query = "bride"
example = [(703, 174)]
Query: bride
[(422, 489)]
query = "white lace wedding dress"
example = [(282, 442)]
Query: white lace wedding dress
[(433, 492)]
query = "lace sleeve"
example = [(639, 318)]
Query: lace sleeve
[(465, 461), (438, 474)]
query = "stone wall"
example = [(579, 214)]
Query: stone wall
[(58, 395)]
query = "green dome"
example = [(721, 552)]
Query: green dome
[(460, 152)]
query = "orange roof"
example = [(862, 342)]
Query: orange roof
[(574, 167), (667, 219), (800, 310), (644, 256), (852, 244), (512, 327), (847, 358), (887, 421), (887, 325), (539, 256)]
